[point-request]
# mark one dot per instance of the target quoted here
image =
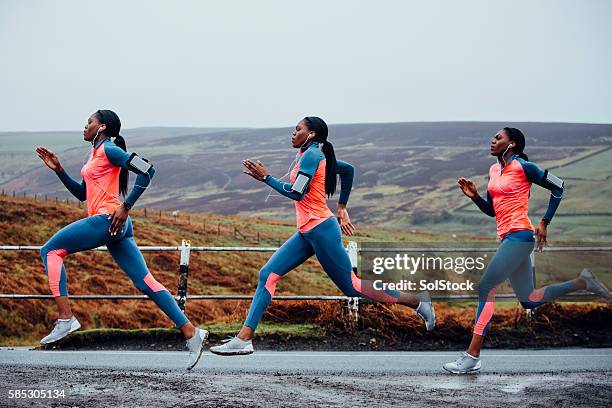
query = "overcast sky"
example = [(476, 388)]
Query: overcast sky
[(269, 63)]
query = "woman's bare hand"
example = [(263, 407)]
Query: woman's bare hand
[(468, 187), (345, 221), (49, 158), (256, 170)]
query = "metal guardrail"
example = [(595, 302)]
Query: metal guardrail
[(181, 298), (352, 249), (272, 249)]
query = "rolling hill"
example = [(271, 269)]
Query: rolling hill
[(405, 172)]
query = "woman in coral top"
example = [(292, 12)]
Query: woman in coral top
[(312, 180), (104, 176), (510, 180)]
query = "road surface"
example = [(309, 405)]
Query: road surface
[(564, 377)]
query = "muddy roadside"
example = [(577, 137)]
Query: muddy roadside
[(381, 329)]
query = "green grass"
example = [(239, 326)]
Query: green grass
[(219, 330), (596, 167), (271, 329)]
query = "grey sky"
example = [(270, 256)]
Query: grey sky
[(268, 63)]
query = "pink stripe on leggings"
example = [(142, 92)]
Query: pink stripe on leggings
[(55, 260), (356, 282), (537, 295), (486, 314), (271, 283), (154, 285)]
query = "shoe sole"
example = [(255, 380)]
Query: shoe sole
[(232, 353), (201, 350), (65, 335), (471, 371)]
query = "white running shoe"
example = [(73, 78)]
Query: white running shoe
[(233, 347), (426, 311), (196, 347), (63, 327), (463, 365), (594, 285)]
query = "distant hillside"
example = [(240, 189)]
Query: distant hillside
[(405, 172)]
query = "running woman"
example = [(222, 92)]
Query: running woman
[(105, 174), (507, 199), (313, 179)]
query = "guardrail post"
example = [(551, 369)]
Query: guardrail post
[(353, 303), (183, 272), (353, 308)]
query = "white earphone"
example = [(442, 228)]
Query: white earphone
[(501, 170), (506, 151), (93, 142)]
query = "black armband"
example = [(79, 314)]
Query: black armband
[(138, 164)]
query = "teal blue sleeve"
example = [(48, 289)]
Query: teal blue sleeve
[(486, 206), (346, 172), (77, 190), (119, 157), (308, 166), (538, 176)]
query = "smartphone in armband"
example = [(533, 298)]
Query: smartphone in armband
[(301, 183), (552, 179), (138, 164)]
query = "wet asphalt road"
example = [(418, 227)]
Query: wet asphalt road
[(565, 377)]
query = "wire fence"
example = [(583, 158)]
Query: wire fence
[(353, 251), (208, 224)]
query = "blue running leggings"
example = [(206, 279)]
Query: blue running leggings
[(512, 261), (324, 241), (92, 232)]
